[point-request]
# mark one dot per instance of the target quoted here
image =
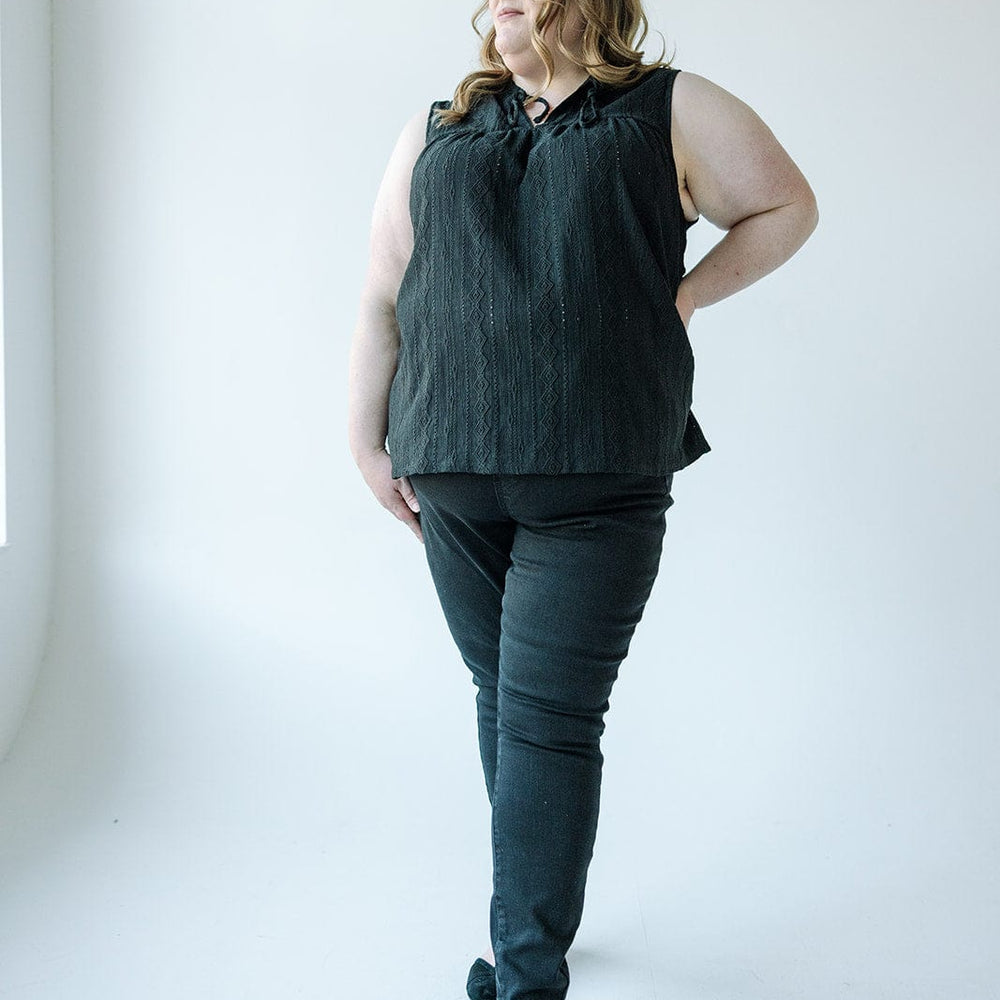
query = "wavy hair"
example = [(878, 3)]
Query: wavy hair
[(610, 47)]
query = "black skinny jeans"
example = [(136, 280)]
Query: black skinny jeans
[(542, 580)]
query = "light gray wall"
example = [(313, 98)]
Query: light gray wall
[(252, 742), (27, 558)]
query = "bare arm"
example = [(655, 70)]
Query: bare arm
[(741, 180), (374, 346)]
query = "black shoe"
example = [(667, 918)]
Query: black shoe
[(482, 983)]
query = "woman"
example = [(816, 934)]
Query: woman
[(522, 349)]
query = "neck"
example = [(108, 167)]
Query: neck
[(565, 79)]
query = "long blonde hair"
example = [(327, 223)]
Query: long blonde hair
[(610, 50)]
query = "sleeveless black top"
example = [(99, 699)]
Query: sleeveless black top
[(538, 330)]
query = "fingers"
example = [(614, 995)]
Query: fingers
[(410, 519), (407, 493), (413, 521), (407, 507), (396, 495)]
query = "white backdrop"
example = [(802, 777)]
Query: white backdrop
[(250, 765), (26, 340)]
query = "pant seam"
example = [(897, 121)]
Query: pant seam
[(498, 491)]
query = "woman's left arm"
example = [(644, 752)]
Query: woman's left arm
[(741, 180)]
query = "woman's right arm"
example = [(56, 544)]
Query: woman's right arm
[(375, 343)]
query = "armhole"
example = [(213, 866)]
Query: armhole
[(430, 118), (669, 97)]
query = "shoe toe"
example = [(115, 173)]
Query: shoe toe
[(482, 981)]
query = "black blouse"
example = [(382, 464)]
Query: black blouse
[(538, 330)]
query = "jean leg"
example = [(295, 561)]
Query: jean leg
[(467, 539), (585, 555)]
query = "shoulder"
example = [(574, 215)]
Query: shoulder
[(707, 120), (410, 141), (695, 89), (414, 132), (733, 166), (701, 108)]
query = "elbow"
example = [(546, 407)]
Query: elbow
[(809, 209), (813, 215)]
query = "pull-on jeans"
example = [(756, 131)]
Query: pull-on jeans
[(542, 580)]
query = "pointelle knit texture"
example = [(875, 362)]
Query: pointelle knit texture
[(537, 317)]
